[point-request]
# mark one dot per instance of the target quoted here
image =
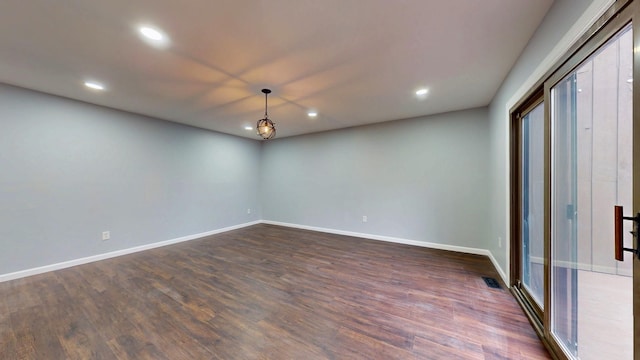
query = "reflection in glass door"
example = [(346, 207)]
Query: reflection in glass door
[(564, 250), (591, 119), (532, 203)]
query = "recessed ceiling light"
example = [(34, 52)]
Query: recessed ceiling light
[(153, 36), (94, 85), (151, 33), (630, 80), (312, 114), (248, 127), (422, 92)]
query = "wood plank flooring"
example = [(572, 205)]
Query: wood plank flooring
[(268, 292)]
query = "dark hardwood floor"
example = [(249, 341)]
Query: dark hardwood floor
[(267, 292)]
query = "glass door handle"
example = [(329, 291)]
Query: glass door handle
[(618, 217)]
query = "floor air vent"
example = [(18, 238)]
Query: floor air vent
[(491, 282)]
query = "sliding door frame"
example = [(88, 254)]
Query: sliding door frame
[(521, 293), (619, 14)]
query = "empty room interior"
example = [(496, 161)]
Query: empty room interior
[(362, 179)]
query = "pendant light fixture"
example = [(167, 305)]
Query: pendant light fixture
[(266, 127)]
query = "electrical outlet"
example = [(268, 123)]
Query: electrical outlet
[(106, 235), (248, 211), (500, 241), (364, 218)]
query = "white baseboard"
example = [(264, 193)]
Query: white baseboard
[(431, 245), (89, 259)]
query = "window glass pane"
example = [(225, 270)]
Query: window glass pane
[(532, 175), (591, 293)]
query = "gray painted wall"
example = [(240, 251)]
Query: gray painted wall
[(70, 170), (423, 179), (559, 21)]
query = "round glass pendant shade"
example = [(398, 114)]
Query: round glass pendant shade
[(266, 129)]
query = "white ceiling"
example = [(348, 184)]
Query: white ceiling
[(354, 61)]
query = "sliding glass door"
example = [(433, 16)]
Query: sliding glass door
[(592, 155), (575, 156)]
